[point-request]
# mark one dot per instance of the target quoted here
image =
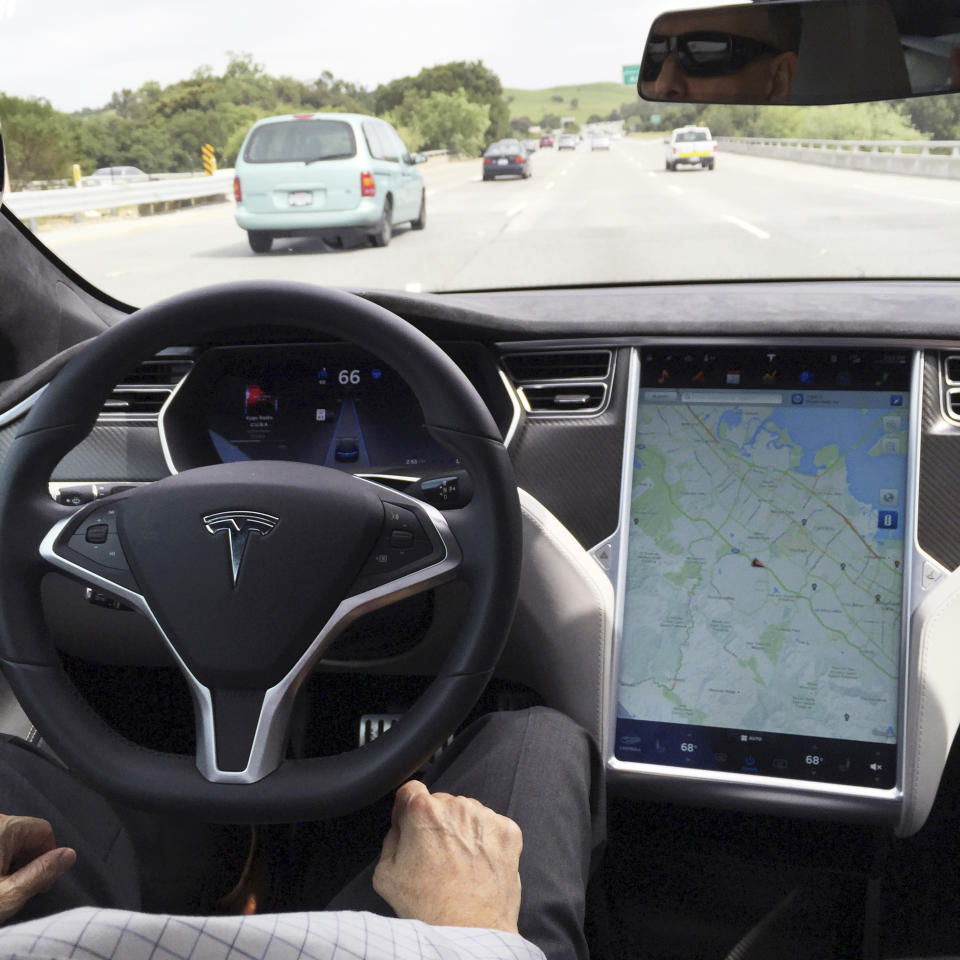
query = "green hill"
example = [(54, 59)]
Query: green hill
[(599, 98)]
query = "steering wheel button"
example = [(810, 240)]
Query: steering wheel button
[(108, 552), (97, 533), (401, 538), (401, 519)]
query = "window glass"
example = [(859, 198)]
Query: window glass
[(371, 133), (391, 143), (300, 140)]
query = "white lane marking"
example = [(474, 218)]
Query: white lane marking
[(476, 179), (414, 288), (513, 211), (550, 185), (749, 227), (431, 192), (674, 189), (650, 173), (114, 273), (563, 173)]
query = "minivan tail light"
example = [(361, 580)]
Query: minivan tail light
[(237, 192), (368, 186)]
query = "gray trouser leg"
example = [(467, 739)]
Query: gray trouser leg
[(543, 771)]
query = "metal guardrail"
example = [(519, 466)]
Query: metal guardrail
[(918, 158), (921, 148), (30, 204)]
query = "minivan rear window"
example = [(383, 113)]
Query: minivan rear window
[(300, 140)]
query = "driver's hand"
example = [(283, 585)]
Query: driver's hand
[(450, 861), (29, 861)]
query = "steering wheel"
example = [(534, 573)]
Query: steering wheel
[(250, 570)]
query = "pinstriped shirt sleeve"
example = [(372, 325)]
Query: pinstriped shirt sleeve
[(88, 933)]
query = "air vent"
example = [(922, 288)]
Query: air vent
[(561, 383), (558, 365), (952, 404), (145, 390), (951, 368), (565, 398)]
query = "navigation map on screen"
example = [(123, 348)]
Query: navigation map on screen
[(764, 575)]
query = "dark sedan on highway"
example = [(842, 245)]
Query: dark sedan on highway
[(506, 158)]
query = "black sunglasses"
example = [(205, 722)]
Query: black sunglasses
[(702, 53)]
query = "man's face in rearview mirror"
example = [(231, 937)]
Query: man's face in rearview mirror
[(740, 55)]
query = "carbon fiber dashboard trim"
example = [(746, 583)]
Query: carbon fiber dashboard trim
[(572, 465), (7, 433), (938, 507), (115, 452)]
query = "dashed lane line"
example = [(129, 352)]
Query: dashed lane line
[(749, 227)]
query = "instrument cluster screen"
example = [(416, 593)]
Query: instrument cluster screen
[(328, 404)]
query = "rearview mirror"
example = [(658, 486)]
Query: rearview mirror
[(806, 52)]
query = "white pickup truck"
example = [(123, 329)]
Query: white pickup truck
[(692, 145)]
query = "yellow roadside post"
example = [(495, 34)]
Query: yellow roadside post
[(209, 160), (77, 178)]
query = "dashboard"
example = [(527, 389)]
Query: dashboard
[(751, 534)]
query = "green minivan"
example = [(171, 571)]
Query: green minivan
[(326, 174)]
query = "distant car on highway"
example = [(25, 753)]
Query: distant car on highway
[(546, 140), (506, 158), (599, 141), (107, 176), (530, 146), (690, 145), (568, 141), (326, 174)]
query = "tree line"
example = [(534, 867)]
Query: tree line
[(457, 106), (923, 118)]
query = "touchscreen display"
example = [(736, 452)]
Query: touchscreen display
[(764, 575)]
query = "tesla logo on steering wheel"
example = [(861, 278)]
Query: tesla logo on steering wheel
[(238, 525)]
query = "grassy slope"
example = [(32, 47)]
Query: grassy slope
[(598, 98)]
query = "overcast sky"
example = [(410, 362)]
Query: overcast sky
[(75, 53)]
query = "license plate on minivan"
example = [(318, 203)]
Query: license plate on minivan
[(300, 198)]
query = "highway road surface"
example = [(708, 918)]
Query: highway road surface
[(583, 217)]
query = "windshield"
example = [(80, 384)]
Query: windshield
[(156, 154)]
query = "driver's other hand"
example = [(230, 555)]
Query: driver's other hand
[(29, 861), (450, 861)]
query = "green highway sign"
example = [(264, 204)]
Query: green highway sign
[(631, 73), (655, 118)]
